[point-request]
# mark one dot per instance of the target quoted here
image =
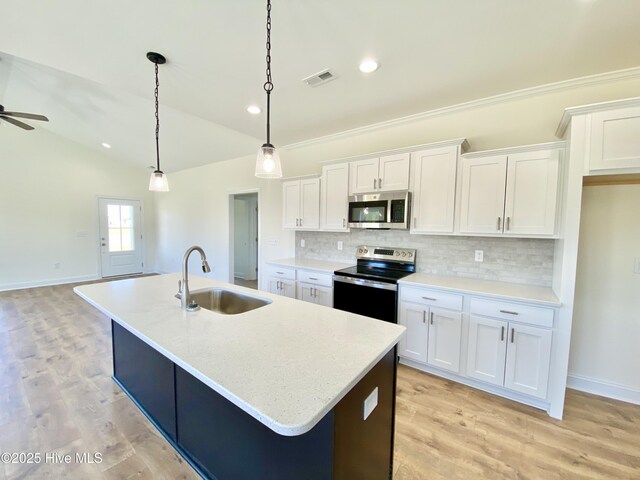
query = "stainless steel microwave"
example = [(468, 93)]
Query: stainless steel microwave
[(388, 210)]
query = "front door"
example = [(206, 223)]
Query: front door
[(120, 236)]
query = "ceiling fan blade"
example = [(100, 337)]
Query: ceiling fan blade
[(17, 123), (30, 116)]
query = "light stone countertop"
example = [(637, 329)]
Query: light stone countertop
[(287, 364), (490, 288), (317, 265)]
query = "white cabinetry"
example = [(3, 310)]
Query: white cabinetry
[(614, 142), (433, 333), (512, 194), (507, 353), (282, 281), (434, 188), (315, 287), (334, 197), (301, 204), (382, 174)]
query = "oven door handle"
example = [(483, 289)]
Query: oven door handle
[(365, 283)]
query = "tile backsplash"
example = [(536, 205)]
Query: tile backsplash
[(516, 260)]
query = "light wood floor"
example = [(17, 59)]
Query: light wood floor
[(56, 395)]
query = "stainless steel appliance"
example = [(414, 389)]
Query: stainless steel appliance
[(371, 287), (380, 210)]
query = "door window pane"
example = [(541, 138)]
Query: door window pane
[(121, 231)]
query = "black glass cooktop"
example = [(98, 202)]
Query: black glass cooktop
[(373, 273)]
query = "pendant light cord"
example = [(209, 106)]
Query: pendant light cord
[(268, 85), (157, 124)]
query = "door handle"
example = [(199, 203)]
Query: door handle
[(344, 222), (499, 221), (297, 222), (431, 319), (300, 222), (374, 183), (379, 183), (104, 244), (424, 316), (513, 332), (502, 334), (508, 223)]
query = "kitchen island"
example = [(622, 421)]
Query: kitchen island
[(288, 390)]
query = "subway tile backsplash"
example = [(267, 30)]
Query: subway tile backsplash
[(516, 260)]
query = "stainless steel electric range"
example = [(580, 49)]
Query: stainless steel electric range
[(371, 287)]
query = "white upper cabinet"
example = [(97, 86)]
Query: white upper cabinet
[(510, 195), (434, 189), (334, 202), (382, 174), (615, 140), (482, 199), (531, 194), (301, 204)]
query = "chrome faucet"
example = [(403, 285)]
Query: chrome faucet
[(183, 285)]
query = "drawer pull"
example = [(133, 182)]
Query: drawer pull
[(509, 312), (429, 298), (502, 334), (313, 278), (280, 273)]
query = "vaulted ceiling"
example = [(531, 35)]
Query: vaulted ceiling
[(82, 63)]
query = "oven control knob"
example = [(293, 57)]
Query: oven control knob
[(359, 250), (397, 254), (410, 254), (404, 254), (366, 251)]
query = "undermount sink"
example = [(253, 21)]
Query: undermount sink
[(227, 302)]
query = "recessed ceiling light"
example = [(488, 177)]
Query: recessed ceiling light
[(106, 145), (254, 109), (368, 66)]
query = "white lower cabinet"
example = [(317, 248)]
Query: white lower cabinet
[(433, 335), (318, 294), (509, 354), (286, 288)]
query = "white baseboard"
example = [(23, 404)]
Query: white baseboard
[(603, 388), (45, 283)]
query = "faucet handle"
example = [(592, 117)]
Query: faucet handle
[(179, 294)]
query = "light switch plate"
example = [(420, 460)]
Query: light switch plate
[(302, 242), (339, 244), (370, 403), (479, 255)]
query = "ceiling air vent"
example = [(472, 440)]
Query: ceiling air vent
[(319, 78)]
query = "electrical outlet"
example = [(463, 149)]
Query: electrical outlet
[(339, 244), (636, 266), (370, 403), (302, 242), (479, 256), (56, 266)]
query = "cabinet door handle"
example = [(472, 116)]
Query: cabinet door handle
[(374, 183), (429, 298), (379, 183), (509, 312), (502, 334), (513, 332), (415, 222), (499, 221), (297, 221), (300, 222), (431, 319), (508, 223), (344, 223), (424, 316), (278, 285)]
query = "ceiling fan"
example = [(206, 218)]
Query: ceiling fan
[(8, 117)]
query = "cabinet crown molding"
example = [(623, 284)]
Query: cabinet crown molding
[(593, 107), (519, 149)]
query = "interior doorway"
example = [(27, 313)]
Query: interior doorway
[(121, 239), (244, 239)]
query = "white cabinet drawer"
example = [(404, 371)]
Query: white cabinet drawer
[(514, 312), (282, 272), (430, 297), (309, 276)]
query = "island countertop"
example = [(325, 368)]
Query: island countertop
[(287, 364)]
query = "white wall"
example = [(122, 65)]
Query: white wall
[(605, 353), (48, 193)]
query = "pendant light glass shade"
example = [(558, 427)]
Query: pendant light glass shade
[(268, 162), (158, 182)]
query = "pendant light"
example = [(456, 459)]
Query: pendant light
[(158, 181), (268, 161)]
